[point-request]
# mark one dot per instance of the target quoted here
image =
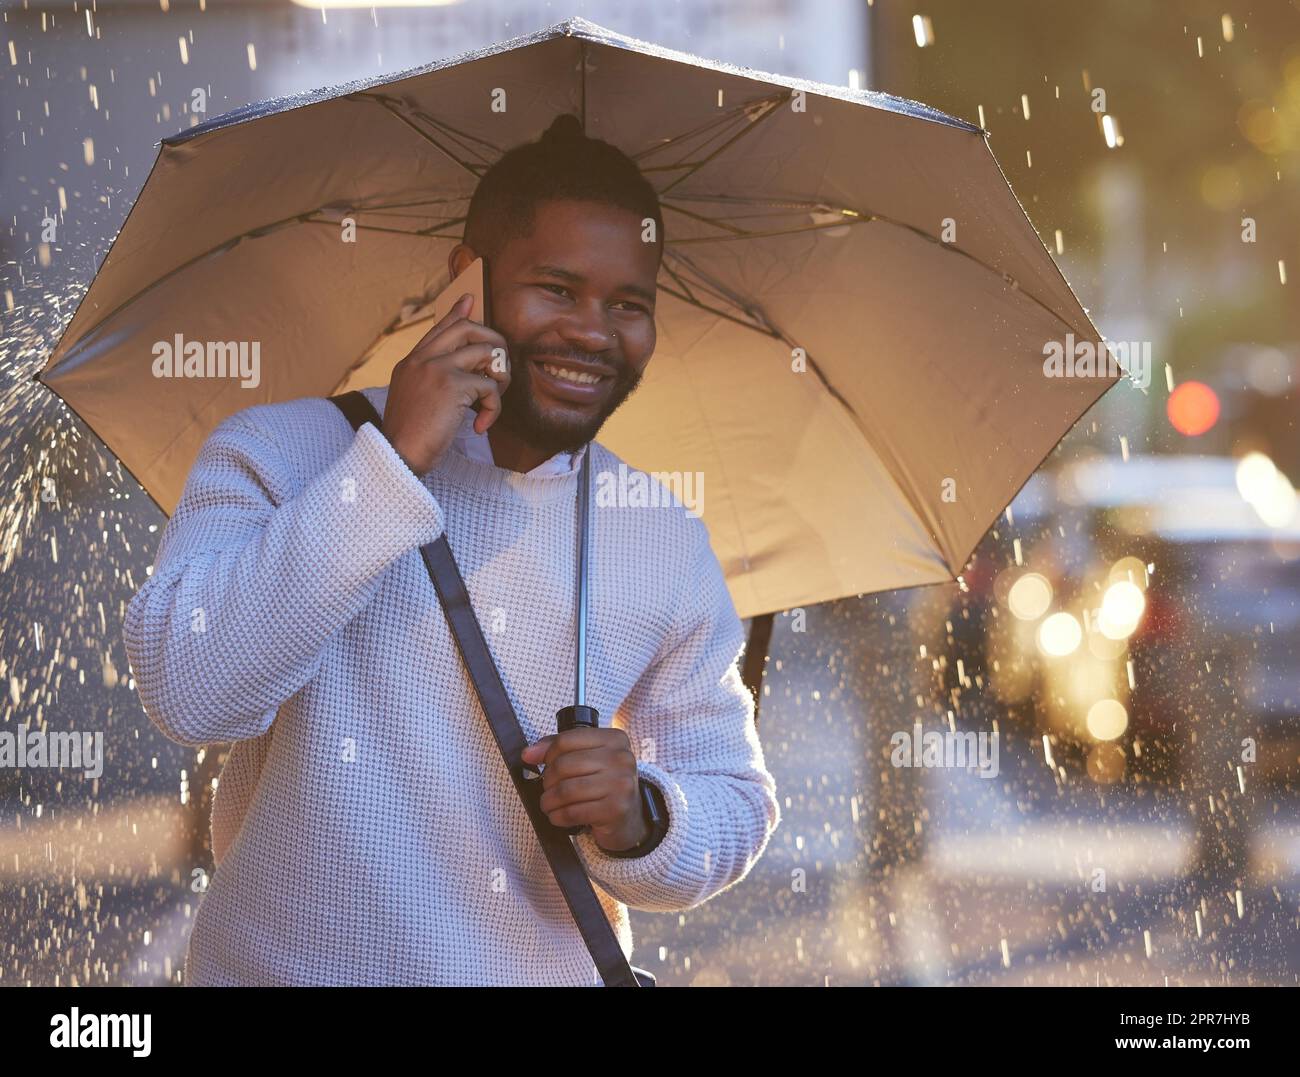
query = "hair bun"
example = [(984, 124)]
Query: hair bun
[(564, 128)]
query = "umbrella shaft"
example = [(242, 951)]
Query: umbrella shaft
[(580, 670)]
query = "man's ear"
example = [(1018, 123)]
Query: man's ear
[(459, 257)]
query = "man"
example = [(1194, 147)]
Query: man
[(365, 828)]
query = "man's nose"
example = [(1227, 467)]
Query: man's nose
[(589, 329)]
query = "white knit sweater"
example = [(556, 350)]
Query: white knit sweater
[(365, 827)]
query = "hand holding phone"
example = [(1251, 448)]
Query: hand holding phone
[(460, 363)]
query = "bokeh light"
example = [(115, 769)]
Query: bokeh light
[(1121, 609), (1060, 635), (1268, 491), (1193, 408), (1107, 719), (1030, 596)]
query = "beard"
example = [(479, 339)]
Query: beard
[(557, 432)]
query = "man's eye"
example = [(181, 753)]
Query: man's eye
[(560, 289)]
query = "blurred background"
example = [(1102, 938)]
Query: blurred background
[(1129, 628)]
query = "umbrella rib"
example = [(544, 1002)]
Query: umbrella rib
[(680, 280), (667, 143), (748, 129), (741, 233), (582, 82), (423, 232), (392, 111), (714, 310), (716, 221), (685, 163), (407, 205), (802, 205), (766, 233), (463, 136), (718, 288), (718, 125), (759, 319)]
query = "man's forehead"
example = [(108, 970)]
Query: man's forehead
[(579, 228), (587, 240)]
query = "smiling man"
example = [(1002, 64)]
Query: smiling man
[(365, 829)]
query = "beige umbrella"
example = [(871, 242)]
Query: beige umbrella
[(852, 315)]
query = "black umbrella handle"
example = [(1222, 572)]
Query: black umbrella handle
[(578, 714), (570, 718)]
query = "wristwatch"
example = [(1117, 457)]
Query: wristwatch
[(654, 810)]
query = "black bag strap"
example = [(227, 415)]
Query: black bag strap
[(585, 907), (760, 636)]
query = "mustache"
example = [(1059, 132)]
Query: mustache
[(615, 363)]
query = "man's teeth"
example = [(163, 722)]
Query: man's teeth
[(570, 375)]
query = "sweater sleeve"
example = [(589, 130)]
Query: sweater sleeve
[(690, 720), (256, 571)]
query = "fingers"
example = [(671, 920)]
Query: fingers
[(574, 791), (460, 309), (477, 358), (584, 736), (454, 331), (485, 395), (476, 367), (581, 738), (590, 761), (591, 751), (457, 334)]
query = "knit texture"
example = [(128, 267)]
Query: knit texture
[(365, 828), (468, 442)]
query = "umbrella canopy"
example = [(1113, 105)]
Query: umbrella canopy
[(860, 386)]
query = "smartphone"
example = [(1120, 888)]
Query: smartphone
[(416, 318), (472, 279)]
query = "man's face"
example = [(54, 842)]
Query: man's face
[(576, 297)]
